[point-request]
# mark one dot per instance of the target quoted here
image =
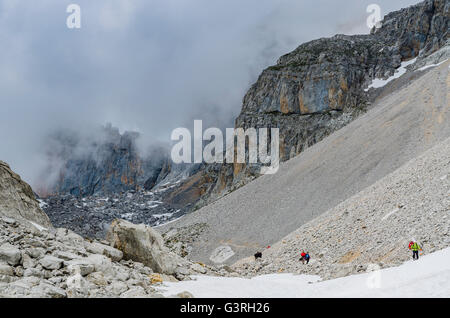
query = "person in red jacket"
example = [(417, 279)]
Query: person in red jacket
[(304, 257)]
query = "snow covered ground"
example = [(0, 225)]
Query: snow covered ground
[(427, 277)]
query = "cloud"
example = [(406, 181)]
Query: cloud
[(144, 65)]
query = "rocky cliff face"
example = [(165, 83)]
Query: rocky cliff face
[(423, 27), (322, 85), (108, 162), (105, 176), (17, 199)]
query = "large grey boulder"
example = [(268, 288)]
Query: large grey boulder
[(6, 270), (17, 199), (10, 254), (142, 244), (97, 248), (51, 262)]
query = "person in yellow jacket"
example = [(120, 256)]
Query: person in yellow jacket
[(415, 247)]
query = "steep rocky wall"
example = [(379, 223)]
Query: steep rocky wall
[(108, 163), (422, 27), (320, 87), (17, 199)]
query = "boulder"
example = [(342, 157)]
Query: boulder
[(10, 254), (135, 292), (101, 264), (80, 266), (198, 268), (118, 287), (185, 294), (6, 270), (36, 252), (98, 279), (45, 290), (50, 262), (142, 244), (67, 256), (111, 252), (33, 272)]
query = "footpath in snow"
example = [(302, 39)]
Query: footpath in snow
[(427, 277)]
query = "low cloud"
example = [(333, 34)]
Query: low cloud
[(144, 65)]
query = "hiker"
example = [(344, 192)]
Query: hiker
[(415, 248), (307, 258), (304, 257)]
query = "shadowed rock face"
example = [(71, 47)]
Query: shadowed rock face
[(17, 200), (420, 27), (110, 163)]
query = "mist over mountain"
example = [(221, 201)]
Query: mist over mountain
[(146, 66)]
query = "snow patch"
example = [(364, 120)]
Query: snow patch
[(378, 83), (42, 204), (171, 221), (39, 227), (431, 278), (431, 65)]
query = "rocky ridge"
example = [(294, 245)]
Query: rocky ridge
[(320, 87)]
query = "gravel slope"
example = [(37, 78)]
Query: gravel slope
[(398, 128), (374, 226)]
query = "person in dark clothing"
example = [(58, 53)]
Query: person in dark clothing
[(304, 257), (307, 257)]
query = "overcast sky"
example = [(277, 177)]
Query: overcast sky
[(145, 65)]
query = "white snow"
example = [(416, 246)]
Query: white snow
[(127, 216), (427, 277), (431, 65), (42, 204), (163, 215), (39, 227), (377, 83)]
